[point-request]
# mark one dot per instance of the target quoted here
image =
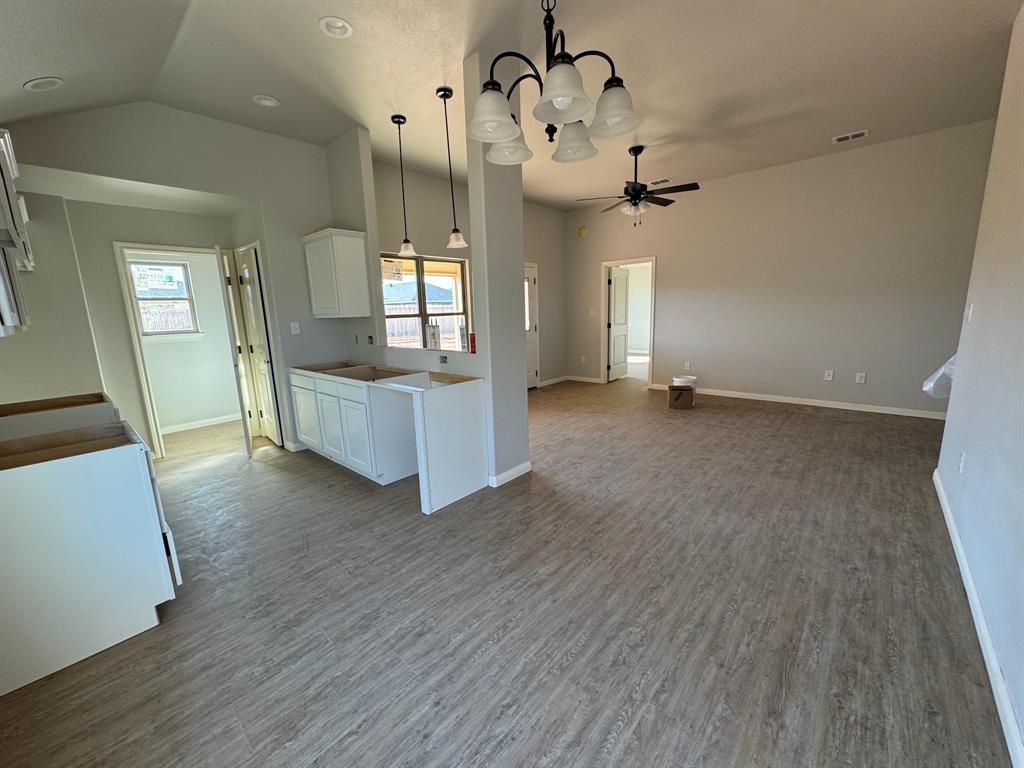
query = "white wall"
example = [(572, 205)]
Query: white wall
[(986, 408), (96, 227), (192, 377), (639, 309), (854, 261), (149, 142), (430, 222), (56, 356)]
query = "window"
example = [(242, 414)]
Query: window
[(425, 303), (163, 292)]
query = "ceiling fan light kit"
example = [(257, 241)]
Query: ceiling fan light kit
[(563, 102)]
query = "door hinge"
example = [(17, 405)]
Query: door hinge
[(250, 413), (261, 413), (251, 350), (227, 279), (609, 281), (241, 280), (535, 327), (239, 349), (535, 281), (609, 367), (609, 325)]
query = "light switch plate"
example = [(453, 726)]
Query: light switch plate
[(861, 377), (295, 328), (830, 374)]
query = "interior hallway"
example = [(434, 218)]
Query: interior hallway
[(743, 584)]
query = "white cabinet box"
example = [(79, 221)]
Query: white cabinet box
[(83, 562), (339, 284)]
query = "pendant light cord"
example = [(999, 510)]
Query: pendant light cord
[(451, 178), (401, 170)]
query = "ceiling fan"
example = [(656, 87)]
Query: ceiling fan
[(638, 198)]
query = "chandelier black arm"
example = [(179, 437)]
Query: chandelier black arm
[(602, 54), (514, 55), (521, 78)]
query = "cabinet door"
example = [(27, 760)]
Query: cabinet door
[(307, 423), (353, 281), (323, 281), (330, 426), (357, 436)]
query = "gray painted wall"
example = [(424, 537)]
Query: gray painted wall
[(193, 378), (854, 261), (56, 356), (639, 308), (986, 408)]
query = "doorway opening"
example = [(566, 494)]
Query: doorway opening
[(627, 319), (532, 325), (192, 350)]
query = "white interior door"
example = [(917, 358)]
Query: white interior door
[(251, 296), (618, 322), (532, 326), (241, 378)]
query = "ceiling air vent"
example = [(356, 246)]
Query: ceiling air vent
[(656, 182), (847, 137)]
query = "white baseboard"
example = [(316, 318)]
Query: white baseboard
[(510, 474), (866, 407), (200, 423), (549, 382), (585, 379), (1004, 704)]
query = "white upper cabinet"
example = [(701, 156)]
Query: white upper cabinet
[(339, 285)]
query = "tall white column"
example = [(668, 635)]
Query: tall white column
[(496, 222)]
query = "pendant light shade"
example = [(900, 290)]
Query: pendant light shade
[(563, 100), (492, 117), (573, 144), (406, 249), (614, 115), (455, 239), (511, 152)]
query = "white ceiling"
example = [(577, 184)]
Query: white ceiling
[(722, 87)]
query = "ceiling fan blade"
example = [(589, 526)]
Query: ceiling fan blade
[(662, 201), (611, 207), (606, 197), (677, 188)]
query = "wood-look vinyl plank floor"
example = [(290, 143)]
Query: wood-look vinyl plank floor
[(745, 584)]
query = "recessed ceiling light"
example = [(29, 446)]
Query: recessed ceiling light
[(43, 83), (332, 26), (266, 101)]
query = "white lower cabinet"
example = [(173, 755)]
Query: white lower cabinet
[(357, 436), (333, 439), (307, 421)]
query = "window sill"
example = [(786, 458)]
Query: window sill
[(164, 338)]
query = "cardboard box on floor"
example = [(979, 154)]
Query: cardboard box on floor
[(680, 397)]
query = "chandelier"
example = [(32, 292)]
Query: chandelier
[(563, 102)]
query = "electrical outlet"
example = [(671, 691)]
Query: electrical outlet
[(686, 365), (583, 359), (963, 458), (295, 328), (444, 359), (861, 377), (830, 374)]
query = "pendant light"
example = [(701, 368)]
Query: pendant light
[(406, 250), (614, 115), (455, 239), (563, 99)]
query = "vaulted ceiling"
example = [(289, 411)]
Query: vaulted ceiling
[(722, 87)]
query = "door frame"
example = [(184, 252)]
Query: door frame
[(536, 317), (268, 330), (121, 250), (653, 261)]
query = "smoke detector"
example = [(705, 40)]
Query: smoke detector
[(848, 137)]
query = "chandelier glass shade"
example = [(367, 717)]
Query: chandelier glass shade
[(574, 144)]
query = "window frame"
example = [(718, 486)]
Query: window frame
[(190, 297), (421, 299)]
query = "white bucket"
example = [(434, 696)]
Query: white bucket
[(684, 381)]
